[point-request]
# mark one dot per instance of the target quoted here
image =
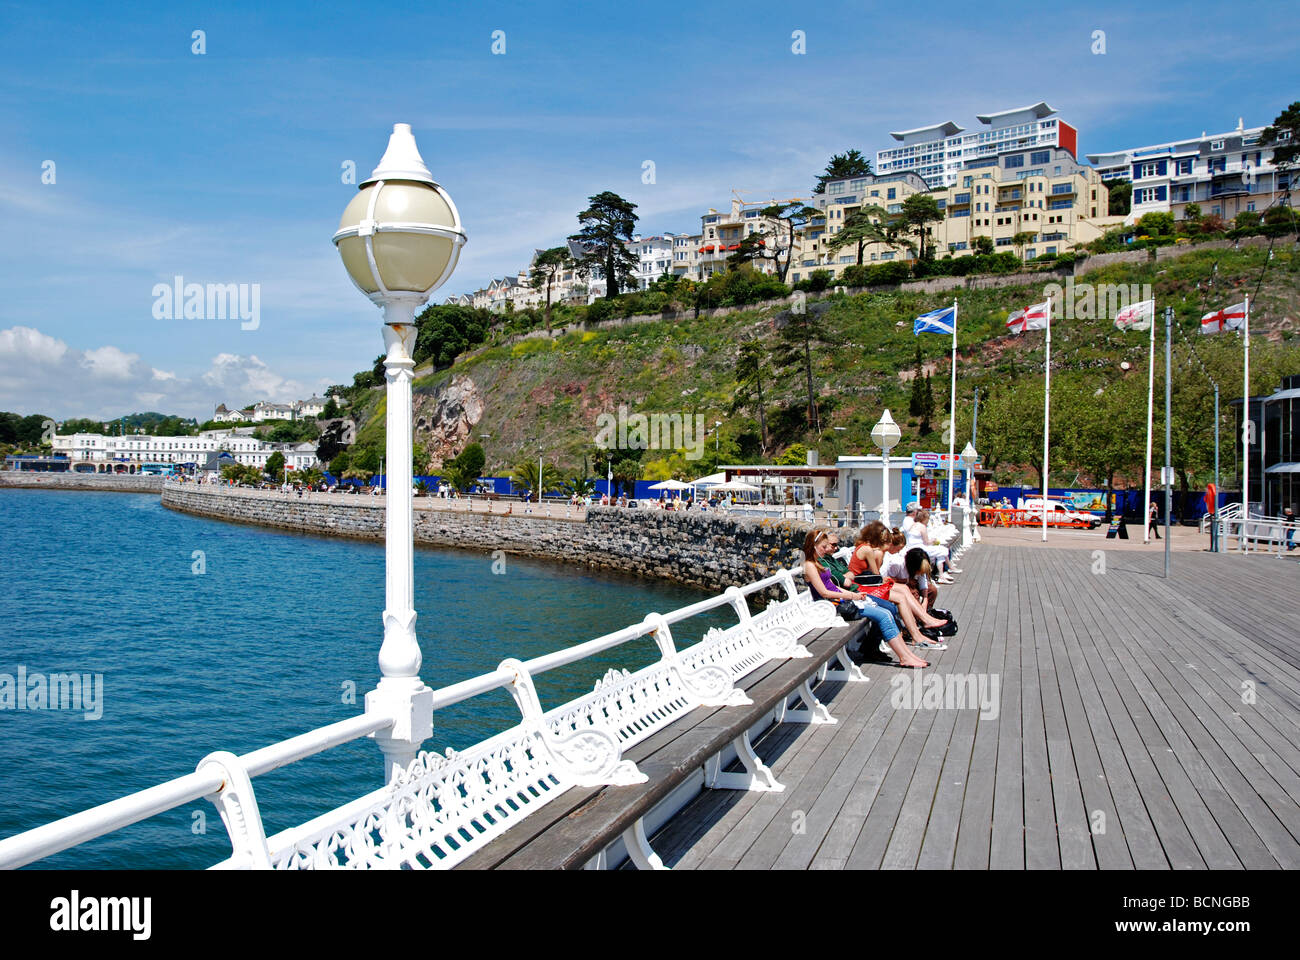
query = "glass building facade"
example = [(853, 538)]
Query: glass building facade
[(1275, 456)]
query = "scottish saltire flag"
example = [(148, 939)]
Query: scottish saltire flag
[(936, 321), (1229, 318), (1139, 316)]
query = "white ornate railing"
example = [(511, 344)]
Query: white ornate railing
[(444, 807)]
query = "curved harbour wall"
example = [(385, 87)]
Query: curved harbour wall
[(705, 550), (117, 482)]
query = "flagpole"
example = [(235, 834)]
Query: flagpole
[(1245, 432), (952, 410), (1151, 401), (1047, 406)]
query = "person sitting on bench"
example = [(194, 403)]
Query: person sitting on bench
[(816, 546), (924, 628)]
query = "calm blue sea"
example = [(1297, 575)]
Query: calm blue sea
[(260, 647)]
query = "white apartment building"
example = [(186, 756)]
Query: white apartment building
[(939, 152), (103, 452), (654, 257), (1223, 173), (263, 410)]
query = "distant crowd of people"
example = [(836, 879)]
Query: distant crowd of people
[(890, 577)]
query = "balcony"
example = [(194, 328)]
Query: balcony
[(1228, 188)]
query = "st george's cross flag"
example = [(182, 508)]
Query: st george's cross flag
[(936, 321), (1031, 318), (1229, 318), (1139, 316)]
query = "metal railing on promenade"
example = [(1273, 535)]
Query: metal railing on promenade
[(219, 772)]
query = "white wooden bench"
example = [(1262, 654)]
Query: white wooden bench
[(444, 807)]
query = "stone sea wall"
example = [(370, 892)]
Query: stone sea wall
[(119, 483), (701, 549)]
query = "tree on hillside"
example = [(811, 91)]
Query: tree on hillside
[(331, 411), (606, 227), (1282, 136), (863, 227), (465, 468), (1096, 429), (919, 211), (547, 267), (444, 331), (916, 402), (842, 166), (791, 218), (331, 444), (927, 407), (1011, 425), (982, 244), (1120, 197), (751, 369), (794, 349)]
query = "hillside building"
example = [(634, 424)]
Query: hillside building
[(1222, 173)]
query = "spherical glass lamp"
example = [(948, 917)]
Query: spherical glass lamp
[(400, 236)]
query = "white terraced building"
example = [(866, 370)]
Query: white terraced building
[(106, 454), (1222, 173)]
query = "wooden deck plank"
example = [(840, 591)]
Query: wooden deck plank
[(1120, 697), (1007, 850), (974, 832)]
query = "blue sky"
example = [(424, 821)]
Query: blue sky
[(226, 167)]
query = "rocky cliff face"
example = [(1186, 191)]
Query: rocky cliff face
[(445, 418)]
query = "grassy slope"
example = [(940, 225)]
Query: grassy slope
[(555, 389)]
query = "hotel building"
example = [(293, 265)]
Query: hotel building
[(938, 153), (127, 454), (1040, 191), (1223, 173)]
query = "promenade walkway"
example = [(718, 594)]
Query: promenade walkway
[(1139, 723)]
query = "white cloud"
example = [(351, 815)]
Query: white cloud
[(20, 346), (245, 379), (109, 363), (41, 374)]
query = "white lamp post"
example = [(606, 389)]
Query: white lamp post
[(885, 435), (400, 238), (969, 455)]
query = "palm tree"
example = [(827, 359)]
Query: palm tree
[(525, 475), (581, 486)]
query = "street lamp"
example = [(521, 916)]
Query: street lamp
[(969, 455), (885, 434), (400, 238), (716, 435)]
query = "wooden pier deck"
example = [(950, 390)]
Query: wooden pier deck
[(1140, 723)]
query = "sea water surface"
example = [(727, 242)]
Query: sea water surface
[(271, 635)]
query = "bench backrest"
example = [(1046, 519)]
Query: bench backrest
[(445, 807)]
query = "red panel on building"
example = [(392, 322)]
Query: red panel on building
[(1069, 138)]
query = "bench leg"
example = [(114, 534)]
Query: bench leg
[(812, 711), (757, 776), (849, 671), (638, 848)]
